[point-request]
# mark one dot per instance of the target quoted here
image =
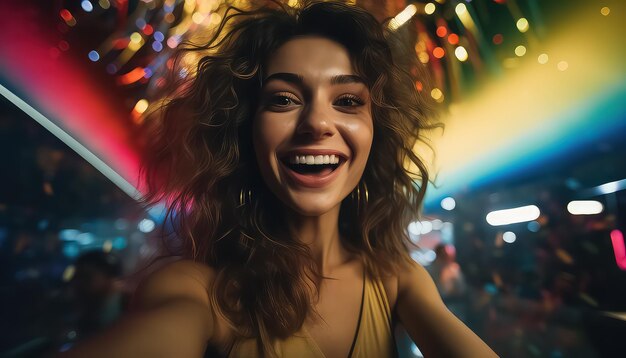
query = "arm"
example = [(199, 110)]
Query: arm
[(436, 331), (172, 318)]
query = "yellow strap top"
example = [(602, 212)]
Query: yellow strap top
[(373, 337)]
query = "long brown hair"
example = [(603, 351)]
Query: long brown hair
[(199, 159)]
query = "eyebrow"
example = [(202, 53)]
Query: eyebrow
[(299, 80)]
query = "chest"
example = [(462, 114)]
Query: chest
[(334, 328)]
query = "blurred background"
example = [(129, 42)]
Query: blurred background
[(522, 231)]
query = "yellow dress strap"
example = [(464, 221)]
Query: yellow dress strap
[(373, 336)]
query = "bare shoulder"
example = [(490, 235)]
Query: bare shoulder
[(180, 279), (413, 277), (408, 276)]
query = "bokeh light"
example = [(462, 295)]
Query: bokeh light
[(429, 8), (509, 237), (94, 55), (448, 203), (461, 53), (522, 24), (439, 52)]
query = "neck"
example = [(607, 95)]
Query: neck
[(321, 235)]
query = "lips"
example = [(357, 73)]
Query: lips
[(313, 168)]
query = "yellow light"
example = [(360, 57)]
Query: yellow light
[(107, 246), (429, 9), (461, 53), (543, 58), (436, 94), (292, 3), (605, 11), (520, 51), (522, 24), (423, 57), (460, 9), (105, 4), (465, 17), (68, 273), (135, 37), (402, 17), (562, 66), (198, 18), (141, 106)]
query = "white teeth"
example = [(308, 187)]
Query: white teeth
[(314, 159)]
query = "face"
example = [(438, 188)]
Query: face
[(313, 129)]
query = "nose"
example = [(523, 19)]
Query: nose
[(316, 121)]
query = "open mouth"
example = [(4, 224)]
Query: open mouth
[(304, 169), (313, 165)]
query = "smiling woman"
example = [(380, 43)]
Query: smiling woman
[(284, 161)]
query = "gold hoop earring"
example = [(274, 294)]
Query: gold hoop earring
[(245, 196), (360, 194)]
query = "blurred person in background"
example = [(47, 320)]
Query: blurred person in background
[(449, 279), (284, 163)]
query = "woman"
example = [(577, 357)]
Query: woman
[(285, 161)]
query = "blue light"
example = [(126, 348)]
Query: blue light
[(71, 250), (533, 226), (94, 55), (119, 243), (68, 234), (141, 23), (158, 35), (86, 5), (157, 46)]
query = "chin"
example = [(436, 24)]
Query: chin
[(312, 204)]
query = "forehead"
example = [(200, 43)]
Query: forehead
[(310, 56)]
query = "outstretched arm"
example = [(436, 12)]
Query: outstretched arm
[(172, 318), (435, 330)]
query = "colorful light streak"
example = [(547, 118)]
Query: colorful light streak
[(66, 99), (619, 248), (536, 113), (75, 145)]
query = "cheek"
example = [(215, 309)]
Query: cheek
[(361, 134), (268, 133)]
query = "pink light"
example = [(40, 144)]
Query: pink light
[(617, 238), (64, 90)]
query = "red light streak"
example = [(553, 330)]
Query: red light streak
[(66, 15), (619, 249)]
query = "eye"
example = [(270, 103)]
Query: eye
[(349, 101), (281, 100)]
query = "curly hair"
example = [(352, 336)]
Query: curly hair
[(199, 159)]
